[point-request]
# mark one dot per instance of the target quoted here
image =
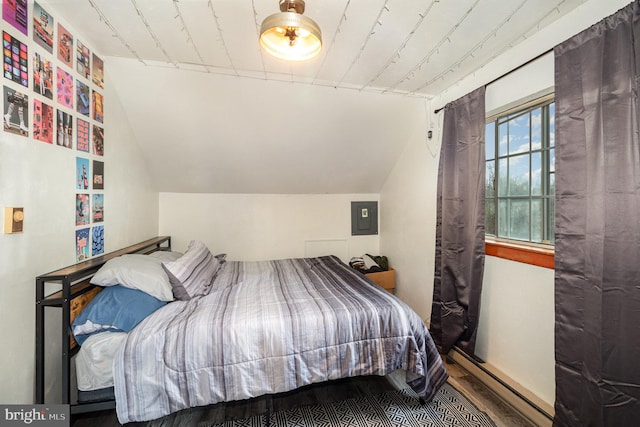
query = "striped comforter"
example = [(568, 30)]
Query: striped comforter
[(268, 327)]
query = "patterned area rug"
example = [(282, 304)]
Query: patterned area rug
[(395, 408)]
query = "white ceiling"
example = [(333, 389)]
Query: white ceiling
[(416, 47), (341, 125)]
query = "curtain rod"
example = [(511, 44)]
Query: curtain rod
[(509, 72)]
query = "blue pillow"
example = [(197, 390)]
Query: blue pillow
[(115, 309)]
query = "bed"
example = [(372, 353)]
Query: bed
[(244, 329)]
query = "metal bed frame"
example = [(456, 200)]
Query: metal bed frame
[(74, 282)]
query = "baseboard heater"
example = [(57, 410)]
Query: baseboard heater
[(530, 406)]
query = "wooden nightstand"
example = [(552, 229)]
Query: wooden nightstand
[(386, 279)]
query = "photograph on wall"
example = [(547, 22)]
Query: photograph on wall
[(98, 175), (98, 106), (42, 76), (83, 106), (82, 135), (16, 59), (64, 88), (97, 208), (82, 209), (97, 141), (82, 244), (97, 240), (16, 12), (65, 46), (42, 27), (82, 60), (64, 126), (42, 122), (16, 112), (82, 173), (97, 68)]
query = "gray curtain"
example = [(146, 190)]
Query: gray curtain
[(459, 260), (597, 259)]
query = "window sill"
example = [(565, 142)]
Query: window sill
[(520, 253)]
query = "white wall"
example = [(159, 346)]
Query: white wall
[(516, 326), (41, 178), (516, 332), (265, 226), (408, 206)]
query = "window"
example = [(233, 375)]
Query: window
[(520, 174)]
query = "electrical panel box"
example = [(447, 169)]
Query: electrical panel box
[(364, 218)]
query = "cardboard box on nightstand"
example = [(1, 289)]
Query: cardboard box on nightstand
[(386, 279)]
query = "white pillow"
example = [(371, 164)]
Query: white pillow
[(165, 256), (136, 271), (192, 274)]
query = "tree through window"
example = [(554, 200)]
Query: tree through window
[(519, 186)]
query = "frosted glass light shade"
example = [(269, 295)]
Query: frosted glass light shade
[(290, 36)]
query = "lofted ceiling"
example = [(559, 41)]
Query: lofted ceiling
[(410, 50)]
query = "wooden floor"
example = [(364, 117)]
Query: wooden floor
[(486, 400), (501, 413)]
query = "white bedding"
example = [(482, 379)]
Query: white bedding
[(94, 361)]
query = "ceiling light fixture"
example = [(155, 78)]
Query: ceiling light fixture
[(290, 35)]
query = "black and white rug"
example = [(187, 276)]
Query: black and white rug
[(393, 408)]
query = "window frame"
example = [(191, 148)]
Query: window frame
[(532, 253)]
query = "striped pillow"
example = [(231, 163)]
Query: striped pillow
[(192, 273)]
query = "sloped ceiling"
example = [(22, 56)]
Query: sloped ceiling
[(213, 113), (222, 134)]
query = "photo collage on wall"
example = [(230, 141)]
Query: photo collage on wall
[(58, 78)]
